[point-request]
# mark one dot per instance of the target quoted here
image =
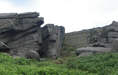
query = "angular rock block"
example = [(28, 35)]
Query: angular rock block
[(24, 36), (54, 36)]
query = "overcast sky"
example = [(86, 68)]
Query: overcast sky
[(75, 15)]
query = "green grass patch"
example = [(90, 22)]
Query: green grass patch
[(100, 64)]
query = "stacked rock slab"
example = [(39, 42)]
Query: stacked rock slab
[(53, 36), (86, 51), (102, 39), (106, 35), (22, 35)]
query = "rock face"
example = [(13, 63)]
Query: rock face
[(100, 35), (105, 37), (22, 35), (53, 37)]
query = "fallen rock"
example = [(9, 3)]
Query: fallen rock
[(85, 51)]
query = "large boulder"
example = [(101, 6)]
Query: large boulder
[(85, 51), (53, 37), (23, 35)]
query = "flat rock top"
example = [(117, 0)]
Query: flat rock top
[(7, 15), (20, 15), (28, 15), (92, 49)]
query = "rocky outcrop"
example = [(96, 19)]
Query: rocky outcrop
[(22, 35), (100, 35), (103, 39), (106, 35), (53, 36)]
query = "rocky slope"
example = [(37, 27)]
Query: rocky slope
[(103, 36), (77, 39)]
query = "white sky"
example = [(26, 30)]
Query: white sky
[(74, 15)]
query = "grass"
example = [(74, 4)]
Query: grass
[(100, 64)]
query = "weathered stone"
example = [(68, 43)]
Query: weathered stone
[(32, 55), (92, 50), (61, 31), (54, 39), (8, 15), (23, 36), (28, 15), (104, 35), (113, 35), (97, 44), (113, 26), (28, 23), (6, 24), (115, 45)]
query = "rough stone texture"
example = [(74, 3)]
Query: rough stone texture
[(22, 35), (105, 37), (102, 35), (85, 51), (113, 26), (77, 39), (113, 35), (8, 15), (53, 36), (115, 45)]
